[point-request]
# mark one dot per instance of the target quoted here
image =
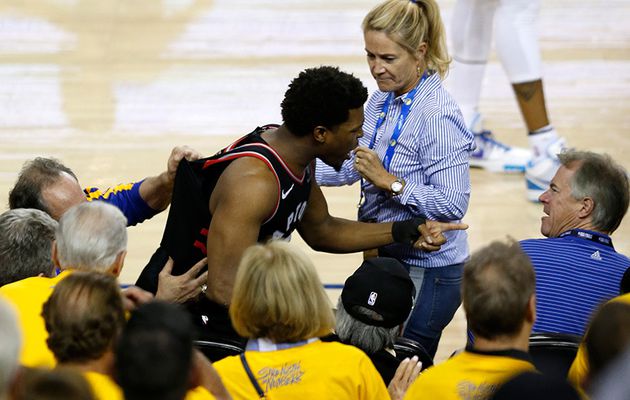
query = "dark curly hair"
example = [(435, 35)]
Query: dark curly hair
[(83, 316), (321, 96), (35, 176)]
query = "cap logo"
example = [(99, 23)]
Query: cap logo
[(372, 298)]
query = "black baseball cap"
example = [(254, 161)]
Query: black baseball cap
[(382, 285)]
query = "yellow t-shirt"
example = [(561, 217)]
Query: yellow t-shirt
[(467, 376), (579, 369), (199, 393), (315, 370), (103, 386), (28, 297)]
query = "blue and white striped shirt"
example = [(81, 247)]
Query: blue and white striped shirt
[(574, 275), (431, 156)]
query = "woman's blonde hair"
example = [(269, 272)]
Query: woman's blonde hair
[(278, 295), (410, 23)]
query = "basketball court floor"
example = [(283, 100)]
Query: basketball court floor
[(109, 87)]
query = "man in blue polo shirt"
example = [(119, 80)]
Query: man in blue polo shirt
[(577, 267)]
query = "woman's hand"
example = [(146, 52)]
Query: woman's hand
[(369, 165)]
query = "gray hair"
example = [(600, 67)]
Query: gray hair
[(599, 177), (11, 340), (368, 338), (497, 285), (26, 237), (90, 236)]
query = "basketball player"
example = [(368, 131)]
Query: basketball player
[(514, 23), (261, 187)]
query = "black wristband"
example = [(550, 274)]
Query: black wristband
[(407, 231)]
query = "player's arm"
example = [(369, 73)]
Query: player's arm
[(156, 191), (245, 195), (324, 232)]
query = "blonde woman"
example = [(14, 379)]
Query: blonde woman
[(413, 158), (279, 304)]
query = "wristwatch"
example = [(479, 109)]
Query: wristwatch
[(397, 186)]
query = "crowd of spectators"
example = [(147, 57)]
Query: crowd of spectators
[(70, 330)]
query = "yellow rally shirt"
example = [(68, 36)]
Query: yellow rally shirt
[(315, 370), (105, 388), (470, 375), (28, 297)]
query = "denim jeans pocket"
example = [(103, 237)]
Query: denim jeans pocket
[(446, 300)]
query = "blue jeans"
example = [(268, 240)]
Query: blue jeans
[(437, 298)]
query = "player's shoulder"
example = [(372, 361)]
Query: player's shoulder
[(251, 169), (247, 180)]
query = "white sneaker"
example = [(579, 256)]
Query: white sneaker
[(495, 156), (542, 169)]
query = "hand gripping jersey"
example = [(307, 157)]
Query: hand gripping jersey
[(186, 231)]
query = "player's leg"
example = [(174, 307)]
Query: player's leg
[(517, 47), (471, 37)]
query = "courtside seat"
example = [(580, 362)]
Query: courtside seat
[(217, 349), (405, 347), (553, 353)]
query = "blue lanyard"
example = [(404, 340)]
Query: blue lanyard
[(389, 153), (406, 107)]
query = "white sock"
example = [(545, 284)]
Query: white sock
[(540, 139)]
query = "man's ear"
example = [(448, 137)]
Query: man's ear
[(320, 133), (117, 266), (587, 207), (530, 314), (55, 255)]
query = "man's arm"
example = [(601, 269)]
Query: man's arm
[(156, 191), (324, 232), (140, 201), (244, 196)]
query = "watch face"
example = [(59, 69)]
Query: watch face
[(396, 187)]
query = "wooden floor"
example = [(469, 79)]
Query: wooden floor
[(110, 87)]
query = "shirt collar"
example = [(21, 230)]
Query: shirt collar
[(265, 344), (512, 353), (585, 234)]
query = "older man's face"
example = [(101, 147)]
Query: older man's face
[(62, 195), (559, 205)]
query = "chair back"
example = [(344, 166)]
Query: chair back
[(553, 353), (405, 347), (217, 349)]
